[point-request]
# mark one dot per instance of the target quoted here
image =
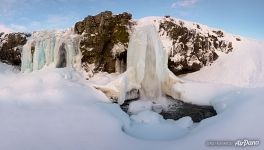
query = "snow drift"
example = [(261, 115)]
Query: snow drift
[(244, 67)]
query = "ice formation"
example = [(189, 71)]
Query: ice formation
[(51, 49), (147, 69)]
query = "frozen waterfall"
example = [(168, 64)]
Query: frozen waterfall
[(51, 49), (147, 58), (147, 70)]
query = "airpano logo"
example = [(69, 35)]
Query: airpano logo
[(235, 143), (247, 142)]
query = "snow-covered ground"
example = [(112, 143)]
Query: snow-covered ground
[(244, 67), (53, 109)]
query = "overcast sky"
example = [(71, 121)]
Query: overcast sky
[(242, 17)]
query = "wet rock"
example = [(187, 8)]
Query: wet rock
[(178, 109)]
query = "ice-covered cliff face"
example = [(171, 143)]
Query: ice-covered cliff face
[(51, 49)]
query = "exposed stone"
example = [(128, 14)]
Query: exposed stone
[(238, 39), (178, 109), (105, 40), (191, 50), (62, 57), (219, 33), (11, 47), (99, 35)]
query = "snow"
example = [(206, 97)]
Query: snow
[(56, 108), (118, 48), (156, 127), (7, 69), (243, 67), (139, 106)]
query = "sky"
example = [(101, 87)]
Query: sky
[(239, 17)]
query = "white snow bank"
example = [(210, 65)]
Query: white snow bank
[(56, 109), (7, 69), (45, 86), (202, 93), (150, 125), (244, 67)]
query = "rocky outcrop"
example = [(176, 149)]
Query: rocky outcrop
[(11, 47), (104, 41), (192, 47), (105, 37)]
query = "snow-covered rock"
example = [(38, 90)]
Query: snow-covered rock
[(104, 43), (190, 46), (11, 47), (244, 67)]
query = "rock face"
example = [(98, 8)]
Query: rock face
[(192, 47), (11, 47), (104, 41), (105, 37)]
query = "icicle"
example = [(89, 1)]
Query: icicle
[(51, 49), (27, 57)]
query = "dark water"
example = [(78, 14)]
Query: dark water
[(178, 109)]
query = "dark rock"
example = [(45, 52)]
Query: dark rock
[(198, 27), (11, 47), (238, 39), (133, 94), (219, 33), (178, 109), (99, 35), (62, 57), (191, 50)]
